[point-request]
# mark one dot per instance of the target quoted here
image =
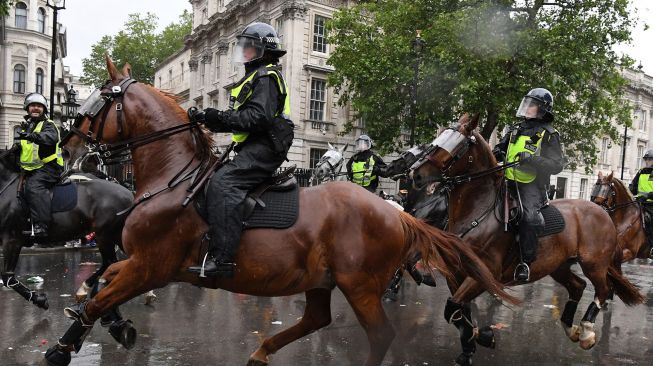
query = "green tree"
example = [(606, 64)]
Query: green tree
[(483, 56), (4, 7), (139, 44)]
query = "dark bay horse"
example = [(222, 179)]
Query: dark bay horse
[(345, 237), (626, 213), (461, 160), (98, 202)]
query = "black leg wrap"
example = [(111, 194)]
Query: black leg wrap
[(393, 289), (461, 316), (485, 337), (464, 359), (76, 334), (57, 356), (450, 309), (591, 313), (111, 317), (40, 300), (124, 333), (567, 317)]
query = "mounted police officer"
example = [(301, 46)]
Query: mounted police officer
[(258, 117), (365, 167), (642, 188), (536, 145), (40, 160)]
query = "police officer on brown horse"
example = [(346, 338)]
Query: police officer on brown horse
[(40, 160), (258, 118), (536, 145)]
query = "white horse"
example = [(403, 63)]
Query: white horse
[(330, 166)]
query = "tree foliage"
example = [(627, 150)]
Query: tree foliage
[(139, 44), (4, 7), (483, 56)]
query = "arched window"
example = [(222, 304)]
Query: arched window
[(39, 80), (21, 15), (19, 79), (40, 17)]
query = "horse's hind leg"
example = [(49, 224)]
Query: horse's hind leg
[(575, 287), (317, 314), (11, 249), (599, 278)]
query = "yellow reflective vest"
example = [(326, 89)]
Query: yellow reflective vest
[(362, 172), (523, 174), (29, 153), (246, 88), (644, 185)]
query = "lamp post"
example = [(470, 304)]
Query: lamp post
[(418, 46), (623, 152), (55, 8), (69, 107)]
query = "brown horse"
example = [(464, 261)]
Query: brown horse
[(344, 237), (626, 213), (462, 160)]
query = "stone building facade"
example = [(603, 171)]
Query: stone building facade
[(25, 52)]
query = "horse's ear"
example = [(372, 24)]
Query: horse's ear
[(610, 176), (600, 174), (473, 123), (331, 146), (111, 68), (344, 148), (127, 70)]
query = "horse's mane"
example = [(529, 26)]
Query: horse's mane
[(9, 162), (619, 183), (173, 102)]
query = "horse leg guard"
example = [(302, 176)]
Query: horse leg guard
[(587, 336), (567, 319), (124, 333), (57, 356), (464, 359), (460, 315), (40, 300), (392, 290)]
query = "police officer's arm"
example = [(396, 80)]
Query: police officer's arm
[(48, 135), (501, 148), (257, 114), (380, 167), (350, 174), (634, 185), (551, 161)]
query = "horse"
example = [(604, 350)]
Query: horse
[(345, 236), (98, 203), (460, 163), (627, 215), (329, 167)]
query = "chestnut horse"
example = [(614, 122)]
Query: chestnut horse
[(462, 160), (626, 213), (344, 237)]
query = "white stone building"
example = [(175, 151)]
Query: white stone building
[(25, 52), (173, 76)]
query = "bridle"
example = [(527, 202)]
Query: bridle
[(607, 192)]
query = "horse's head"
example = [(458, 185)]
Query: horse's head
[(456, 151), (402, 164), (329, 162), (603, 191)]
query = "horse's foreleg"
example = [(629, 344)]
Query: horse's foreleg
[(108, 253), (38, 299), (317, 314), (459, 313), (575, 287), (599, 279)]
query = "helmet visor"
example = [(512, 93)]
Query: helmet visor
[(530, 108), (247, 50), (362, 145)]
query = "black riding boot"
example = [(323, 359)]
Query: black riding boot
[(528, 247)]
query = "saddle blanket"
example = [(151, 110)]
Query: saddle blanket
[(64, 197), (553, 221)]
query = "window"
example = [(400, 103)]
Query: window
[(318, 100), (19, 79), (641, 150), (181, 67), (315, 156), (561, 185), (214, 103), (605, 143), (319, 34), (39, 81), (21, 15), (40, 17), (643, 123), (159, 82), (202, 72), (280, 29), (170, 77), (583, 188), (217, 67)]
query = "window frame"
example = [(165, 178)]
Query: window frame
[(323, 102), (323, 36), (604, 150), (23, 17), (40, 20), (582, 191), (21, 79), (312, 162), (40, 73)]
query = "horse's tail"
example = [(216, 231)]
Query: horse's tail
[(448, 253), (626, 291)]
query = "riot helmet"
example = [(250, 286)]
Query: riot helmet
[(537, 104), (256, 40), (363, 143), (35, 98)]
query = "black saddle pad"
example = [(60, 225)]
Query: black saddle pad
[(553, 221), (280, 211), (64, 197)]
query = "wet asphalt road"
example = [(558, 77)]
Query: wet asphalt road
[(193, 326)]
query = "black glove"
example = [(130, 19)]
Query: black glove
[(524, 156), (195, 115), (499, 155), (215, 119), (24, 136)]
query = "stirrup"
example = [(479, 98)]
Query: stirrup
[(528, 272)]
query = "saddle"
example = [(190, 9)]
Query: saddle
[(63, 196), (554, 222), (273, 204)]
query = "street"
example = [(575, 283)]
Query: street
[(194, 326)]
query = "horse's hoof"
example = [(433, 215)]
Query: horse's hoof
[(464, 359), (486, 338), (41, 300), (150, 298), (82, 292), (573, 333), (55, 356), (588, 341), (124, 333), (253, 362)]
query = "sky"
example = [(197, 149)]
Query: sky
[(89, 20), (82, 18)]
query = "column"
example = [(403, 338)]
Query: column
[(9, 71), (30, 77)]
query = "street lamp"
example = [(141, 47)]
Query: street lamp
[(418, 46), (69, 107), (55, 6)]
